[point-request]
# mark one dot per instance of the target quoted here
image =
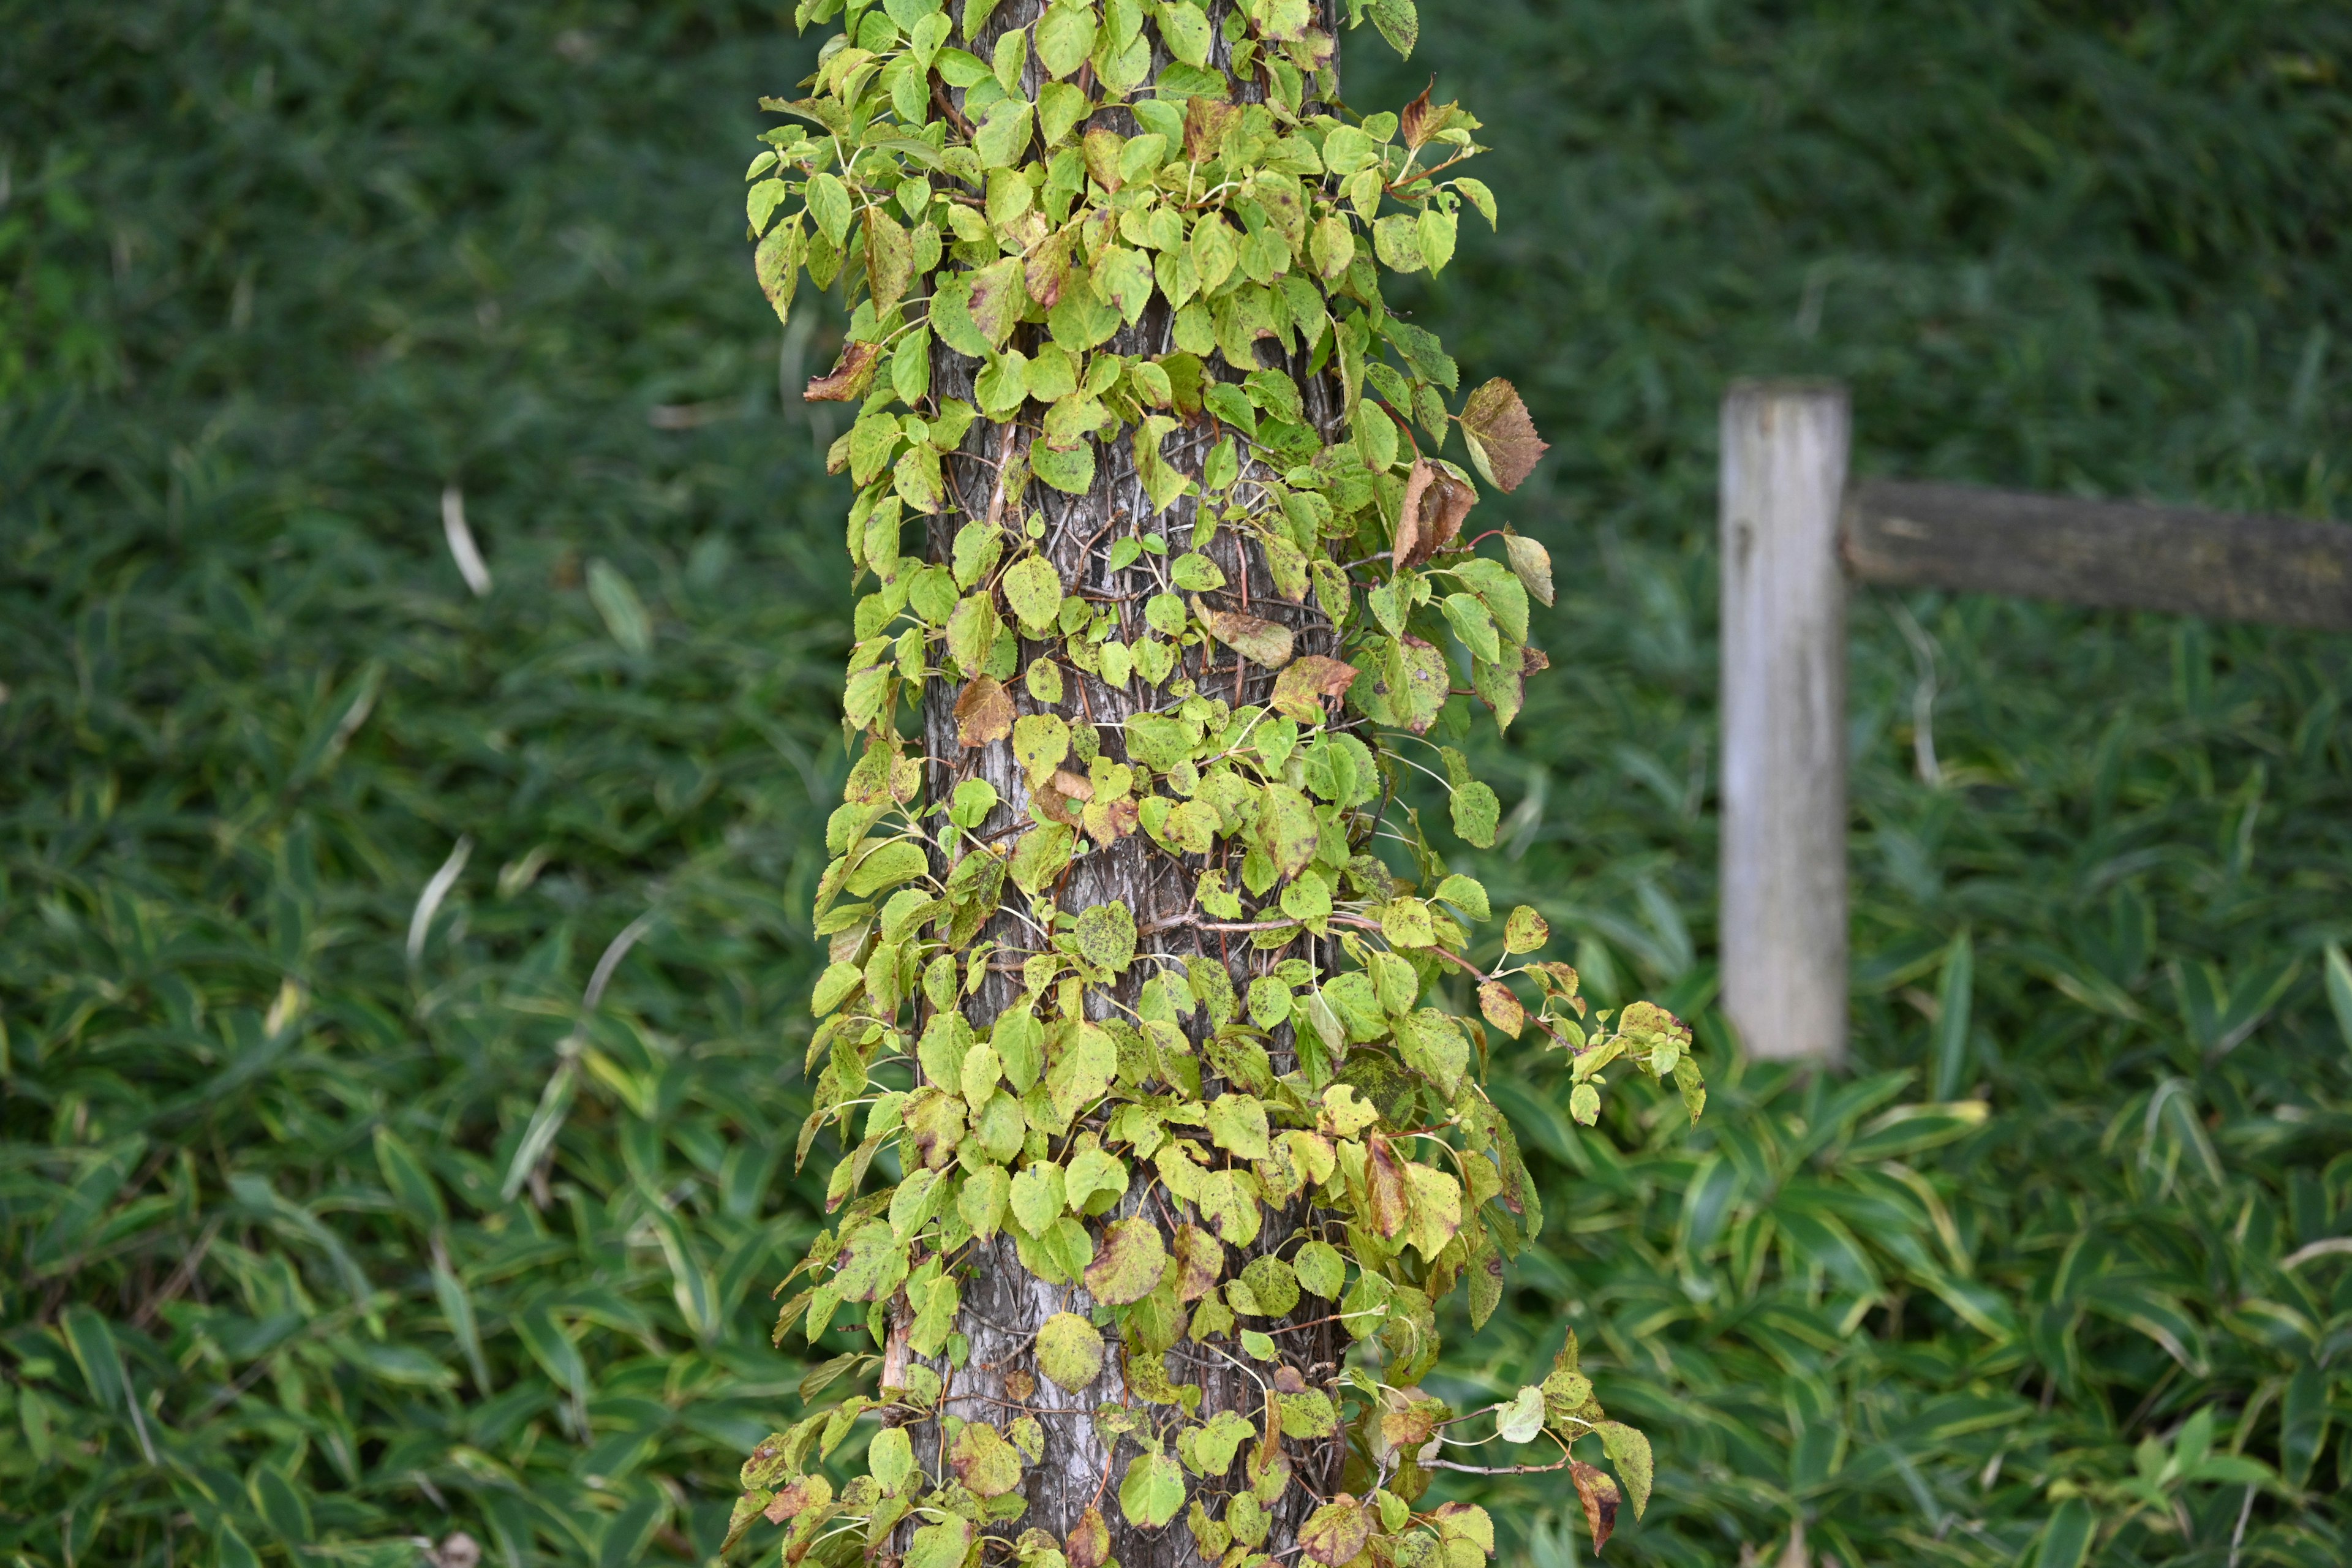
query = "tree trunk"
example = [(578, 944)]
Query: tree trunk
[(1002, 1304)]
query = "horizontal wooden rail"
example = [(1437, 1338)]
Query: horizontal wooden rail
[(1795, 533), (2230, 567)]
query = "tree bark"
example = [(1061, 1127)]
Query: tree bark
[(1002, 1304)]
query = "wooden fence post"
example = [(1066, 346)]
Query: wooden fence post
[(1783, 930)]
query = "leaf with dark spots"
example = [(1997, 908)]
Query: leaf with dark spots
[(1386, 1200), (1336, 1531)]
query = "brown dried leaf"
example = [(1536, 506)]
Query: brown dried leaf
[(1019, 1386), (1429, 519), (1503, 439), (846, 381), (983, 712), (1301, 690), (1598, 1492), (1262, 642)]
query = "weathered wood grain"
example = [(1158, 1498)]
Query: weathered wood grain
[(2119, 554), (1784, 894)]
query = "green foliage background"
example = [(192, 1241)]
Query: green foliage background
[(271, 278)]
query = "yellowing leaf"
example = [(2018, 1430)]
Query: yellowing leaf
[(983, 1461), (1501, 1008), (1237, 1125), (1199, 1262), (1308, 682), (1628, 1451), (1034, 590), (1532, 564), (1069, 1350), (1287, 826), (1129, 1265)]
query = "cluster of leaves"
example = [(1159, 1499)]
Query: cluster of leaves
[(2054, 247), (956, 201)]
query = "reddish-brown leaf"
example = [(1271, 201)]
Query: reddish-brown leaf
[(1047, 268), (1413, 120), (1597, 1490), (846, 381), (983, 712), (1088, 1542), (1503, 439)]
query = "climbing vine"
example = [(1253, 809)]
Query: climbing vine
[(1071, 248)]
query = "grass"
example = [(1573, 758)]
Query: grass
[(278, 1277)]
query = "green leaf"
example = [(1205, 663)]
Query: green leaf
[(1272, 1284), (1629, 1451), (1522, 1417), (1321, 1270), (1287, 827), (1152, 1494), (828, 203), (1069, 1350), (1954, 993), (1396, 239), (2065, 1539), (941, 1545), (1476, 814), (1038, 1197), (1005, 133), (2339, 991), (1238, 1124), (623, 612), (1065, 37)]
